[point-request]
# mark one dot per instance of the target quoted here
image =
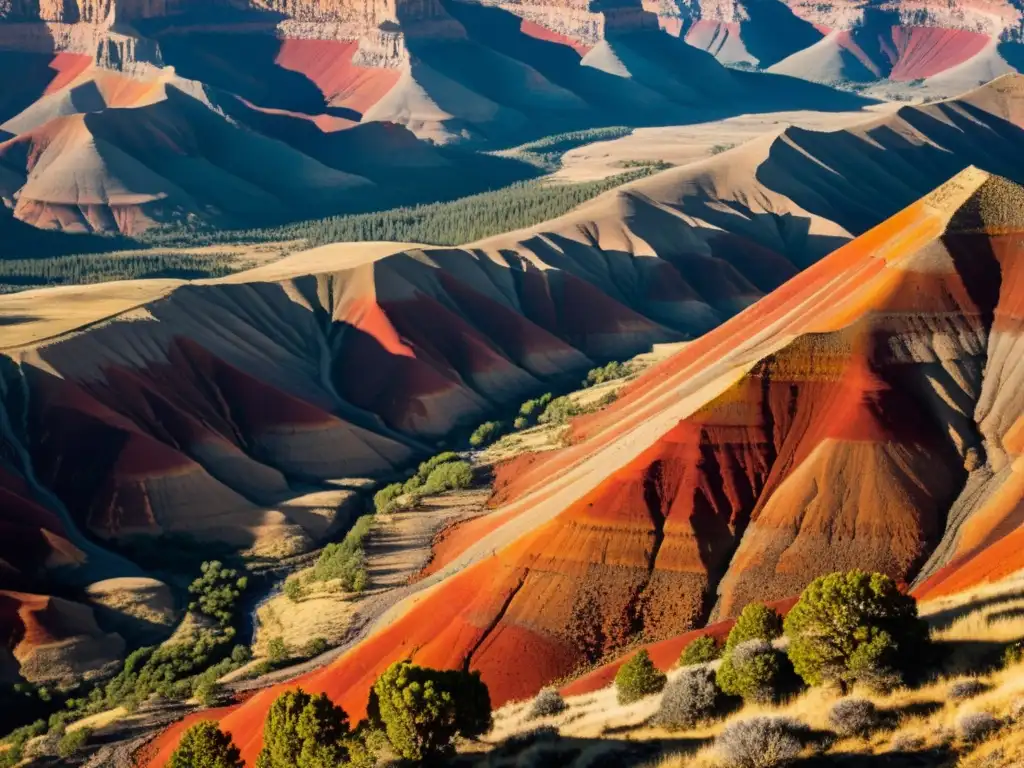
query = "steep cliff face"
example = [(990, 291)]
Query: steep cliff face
[(86, 11)]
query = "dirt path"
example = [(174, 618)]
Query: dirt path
[(398, 548)]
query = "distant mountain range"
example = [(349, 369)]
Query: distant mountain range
[(126, 116), (222, 409)]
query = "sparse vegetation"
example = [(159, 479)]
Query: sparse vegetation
[(22, 274), (486, 434), (346, 560), (610, 372), (977, 726), (293, 590), (560, 410), (546, 153), (654, 165), (73, 742), (690, 698), (966, 689), (304, 731), (205, 745), (217, 591), (855, 627), (637, 678), (921, 723), (760, 742), (422, 710), (701, 650), (854, 717), (752, 670), (548, 703), (465, 220), (443, 472), (277, 650)]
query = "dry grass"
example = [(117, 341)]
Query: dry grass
[(919, 722), (547, 437)]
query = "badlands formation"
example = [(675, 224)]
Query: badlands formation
[(129, 115), (877, 392), (235, 410)]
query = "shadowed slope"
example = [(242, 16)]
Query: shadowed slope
[(832, 425)]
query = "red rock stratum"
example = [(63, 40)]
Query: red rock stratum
[(867, 414)]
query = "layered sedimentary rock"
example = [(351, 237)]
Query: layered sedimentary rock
[(52, 641), (843, 421), (664, 258), (858, 40)]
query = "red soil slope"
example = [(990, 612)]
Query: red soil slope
[(832, 425), (328, 63), (911, 53)]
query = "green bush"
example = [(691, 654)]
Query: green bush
[(465, 220), (610, 372), (752, 670), (422, 709), (73, 742), (532, 409), (293, 590), (485, 434), (701, 650), (315, 647), (277, 650), (204, 745), (855, 627), (241, 654), (217, 591), (453, 476), (173, 671), (755, 622), (638, 678), (304, 731), (386, 498), (16, 740), (559, 411), (208, 692), (428, 466), (757, 675), (346, 560)]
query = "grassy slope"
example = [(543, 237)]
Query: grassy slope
[(971, 625)]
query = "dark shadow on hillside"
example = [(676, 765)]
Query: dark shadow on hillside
[(16, 319), (34, 72), (616, 100), (19, 240), (246, 65), (406, 169), (868, 181), (772, 32)]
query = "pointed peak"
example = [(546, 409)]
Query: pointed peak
[(947, 198), (995, 207), (975, 201)]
